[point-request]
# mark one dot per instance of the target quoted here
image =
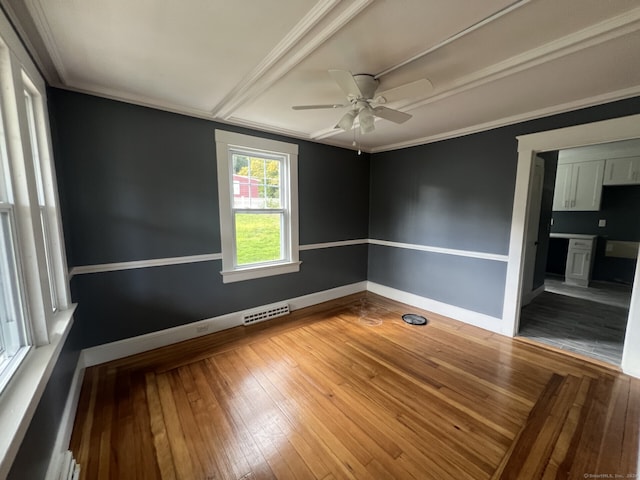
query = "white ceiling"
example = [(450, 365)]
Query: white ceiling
[(246, 62)]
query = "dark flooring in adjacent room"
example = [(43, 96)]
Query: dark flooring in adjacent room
[(588, 321)]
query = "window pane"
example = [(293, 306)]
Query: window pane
[(272, 184), (5, 185), (11, 336), (47, 255), (256, 182), (31, 120), (258, 237)]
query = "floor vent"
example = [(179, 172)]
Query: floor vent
[(267, 314)]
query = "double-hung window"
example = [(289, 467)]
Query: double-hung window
[(32, 265), (257, 192)]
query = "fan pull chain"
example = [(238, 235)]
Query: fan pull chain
[(355, 142)]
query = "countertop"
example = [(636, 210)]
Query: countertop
[(573, 235)]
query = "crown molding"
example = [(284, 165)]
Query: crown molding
[(544, 112), (139, 100), (44, 31), (269, 72), (239, 122), (196, 113), (502, 122), (287, 133), (27, 33)]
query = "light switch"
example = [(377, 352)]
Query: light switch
[(602, 222)]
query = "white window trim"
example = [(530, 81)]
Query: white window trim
[(36, 119), (20, 398), (225, 141)]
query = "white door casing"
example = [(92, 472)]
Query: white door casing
[(623, 128)]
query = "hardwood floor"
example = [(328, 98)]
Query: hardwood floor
[(351, 391)]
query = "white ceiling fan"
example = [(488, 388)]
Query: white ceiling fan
[(365, 104)]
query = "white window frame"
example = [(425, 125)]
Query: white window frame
[(226, 143), (43, 287), (46, 198)]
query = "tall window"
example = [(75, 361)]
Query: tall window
[(257, 190), (34, 299)]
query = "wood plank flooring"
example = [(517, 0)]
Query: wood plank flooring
[(615, 294), (348, 390), (577, 325)]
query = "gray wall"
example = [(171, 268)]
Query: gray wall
[(127, 303), (455, 194), (620, 207), (138, 184)]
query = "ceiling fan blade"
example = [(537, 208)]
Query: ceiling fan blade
[(346, 82), (390, 114), (314, 107), (417, 89)]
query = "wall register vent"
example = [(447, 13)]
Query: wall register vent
[(267, 314)]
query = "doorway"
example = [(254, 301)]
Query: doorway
[(623, 128), (578, 291)]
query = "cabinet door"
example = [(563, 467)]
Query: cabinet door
[(587, 185), (562, 188), (622, 171), (578, 266)]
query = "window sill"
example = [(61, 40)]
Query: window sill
[(250, 273), (20, 398)]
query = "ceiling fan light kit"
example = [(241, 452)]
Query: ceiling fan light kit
[(366, 117), (360, 91), (346, 122)]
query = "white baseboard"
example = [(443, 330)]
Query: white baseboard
[(326, 295), (108, 352), (142, 343), (63, 438), (527, 298), (481, 320)]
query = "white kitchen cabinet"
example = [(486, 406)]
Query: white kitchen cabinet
[(578, 186), (580, 257), (562, 192), (622, 171), (579, 261)]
